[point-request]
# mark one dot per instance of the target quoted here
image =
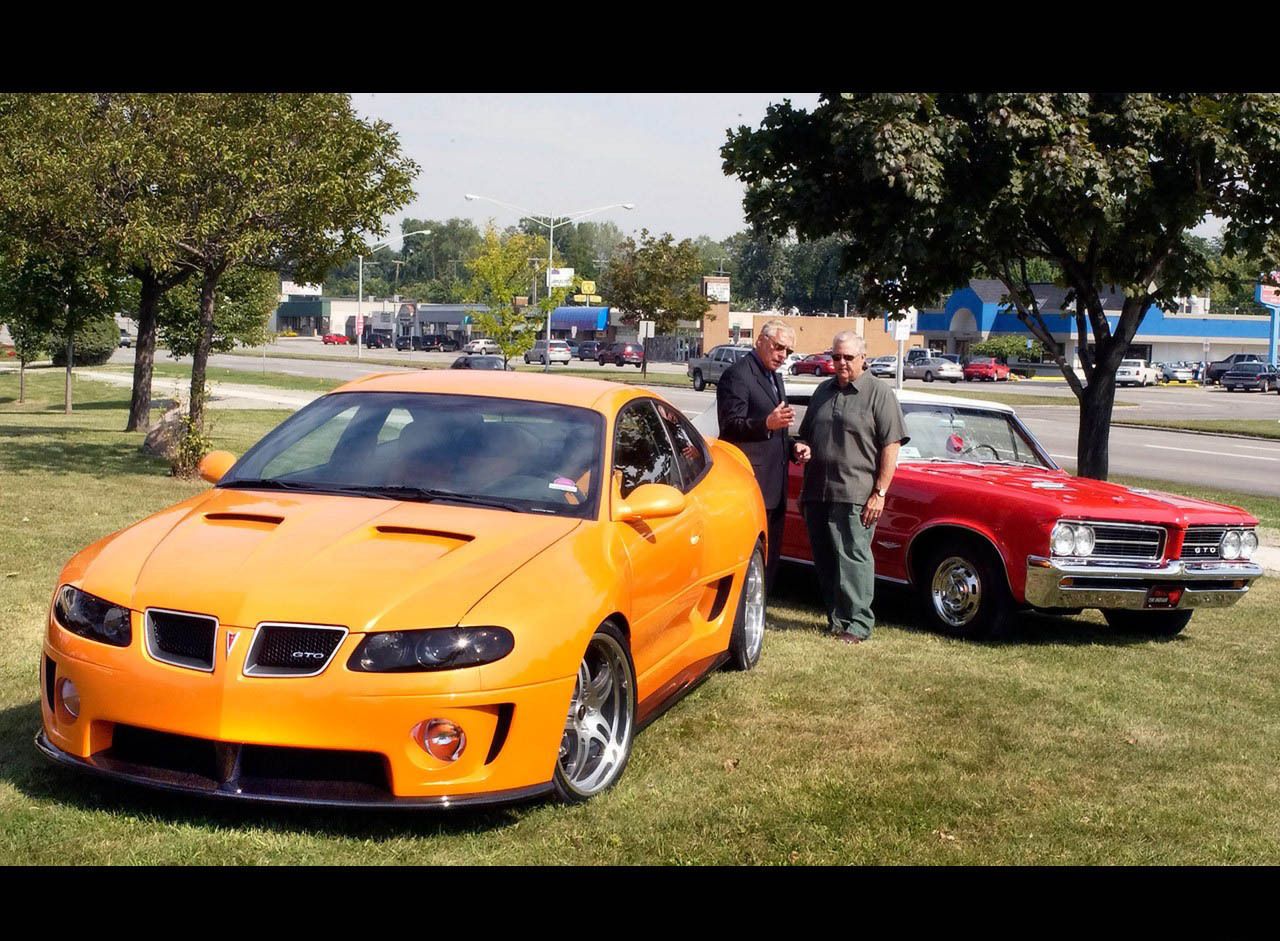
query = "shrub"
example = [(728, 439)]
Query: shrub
[(94, 343)]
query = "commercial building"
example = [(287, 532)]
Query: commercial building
[(978, 312)]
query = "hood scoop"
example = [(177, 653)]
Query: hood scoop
[(253, 519), (421, 534)]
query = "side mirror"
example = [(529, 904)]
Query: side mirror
[(649, 501), (215, 464)]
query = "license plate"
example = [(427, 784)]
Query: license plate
[(1163, 596)]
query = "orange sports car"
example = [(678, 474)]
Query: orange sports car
[(423, 589)]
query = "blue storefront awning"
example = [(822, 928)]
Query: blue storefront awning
[(584, 318)]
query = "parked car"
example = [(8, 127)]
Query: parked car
[(1251, 377), (573, 347), (497, 650), (791, 360), (985, 368), (480, 361), (984, 525), (1136, 372), (815, 364), (884, 367), (1215, 370), (377, 340), (335, 339), (482, 345), (707, 370), (407, 342), (126, 341), (932, 367), (622, 354), (1177, 372), (435, 342), (559, 353), (588, 349), (953, 357)]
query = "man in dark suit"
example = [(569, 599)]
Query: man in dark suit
[(754, 415)]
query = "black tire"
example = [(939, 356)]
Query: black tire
[(961, 570), (928, 377), (954, 381), (745, 645), (1151, 623), (572, 784), (698, 382)]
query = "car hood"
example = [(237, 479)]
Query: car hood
[(1056, 490), (367, 564)]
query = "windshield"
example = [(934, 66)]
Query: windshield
[(1249, 367), (946, 433), (526, 456)]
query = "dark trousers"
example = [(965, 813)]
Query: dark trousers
[(845, 568), (777, 517)]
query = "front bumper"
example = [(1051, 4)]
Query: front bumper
[(1052, 584), (339, 738)]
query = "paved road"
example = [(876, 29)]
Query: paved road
[(1245, 465)]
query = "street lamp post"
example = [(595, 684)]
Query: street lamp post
[(549, 223), (360, 283)]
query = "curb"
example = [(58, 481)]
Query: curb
[(1196, 431)]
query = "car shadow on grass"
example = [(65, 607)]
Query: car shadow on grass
[(897, 607), (22, 766), (22, 455)]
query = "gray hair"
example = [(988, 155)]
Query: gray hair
[(848, 336), (772, 328)]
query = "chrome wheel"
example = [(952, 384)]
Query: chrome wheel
[(601, 721), (753, 610), (956, 591)]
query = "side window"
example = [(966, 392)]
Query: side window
[(641, 451), (691, 452), (313, 451)]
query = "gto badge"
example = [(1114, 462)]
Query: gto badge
[(307, 655), (231, 641)]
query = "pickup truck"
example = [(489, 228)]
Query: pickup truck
[(707, 370), (1216, 370)]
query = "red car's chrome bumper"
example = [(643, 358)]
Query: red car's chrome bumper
[(1053, 584)]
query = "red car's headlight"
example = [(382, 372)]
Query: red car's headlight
[(439, 648)]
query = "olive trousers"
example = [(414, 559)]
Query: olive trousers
[(846, 570)]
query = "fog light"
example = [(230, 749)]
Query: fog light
[(441, 739), (68, 700)]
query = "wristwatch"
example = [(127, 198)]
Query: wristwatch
[(881, 492)]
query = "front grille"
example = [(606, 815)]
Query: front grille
[(292, 649), (1203, 542), (1127, 542), (182, 640), (249, 770)]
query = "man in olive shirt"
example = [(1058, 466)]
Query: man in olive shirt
[(854, 428)]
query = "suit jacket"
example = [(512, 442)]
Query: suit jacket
[(745, 395)]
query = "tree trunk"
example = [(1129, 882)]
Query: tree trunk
[(22, 381), (203, 344), (144, 355), (1094, 440), (71, 345)]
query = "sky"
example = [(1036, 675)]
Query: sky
[(554, 154), (558, 153)]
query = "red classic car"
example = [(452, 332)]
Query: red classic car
[(818, 364), (338, 338), (982, 523), (984, 367)]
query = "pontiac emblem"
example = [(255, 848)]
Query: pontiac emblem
[(231, 641)]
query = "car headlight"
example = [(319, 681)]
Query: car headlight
[(1248, 543), (89, 616), (1071, 539), (1230, 544), (437, 648)]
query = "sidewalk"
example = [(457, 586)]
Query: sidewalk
[(1269, 558), (221, 394)]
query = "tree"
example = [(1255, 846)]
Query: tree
[(1007, 347), (499, 273), (290, 182), (246, 298), (28, 326), (656, 279), (929, 189)]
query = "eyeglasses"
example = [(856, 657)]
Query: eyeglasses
[(782, 348), (847, 357)]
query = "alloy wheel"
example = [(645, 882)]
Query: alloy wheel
[(599, 727), (956, 591)]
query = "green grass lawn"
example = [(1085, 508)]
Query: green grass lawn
[(272, 378), (1063, 743), (1266, 509), (1016, 399), (1258, 427)]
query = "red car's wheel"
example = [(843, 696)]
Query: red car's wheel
[(966, 594), (601, 723)]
